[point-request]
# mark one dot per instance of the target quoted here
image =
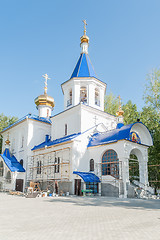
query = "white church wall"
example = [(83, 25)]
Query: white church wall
[(70, 117), (90, 117)]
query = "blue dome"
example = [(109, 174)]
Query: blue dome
[(83, 67)]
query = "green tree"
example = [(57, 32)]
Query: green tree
[(151, 117), (5, 122), (111, 104), (130, 112), (152, 90)]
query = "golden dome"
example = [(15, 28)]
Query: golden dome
[(120, 112), (7, 142), (44, 100), (84, 38)]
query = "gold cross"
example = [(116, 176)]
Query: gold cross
[(85, 23), (119, 102), (45, 82)]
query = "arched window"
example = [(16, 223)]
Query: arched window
[(110, 163), (39, 169), (22, 142), (69, 101), (97, 98), (21, 162), (1, 169), (65, 130), (57, 165), (91, 165), (83, 94), (133, 167), (8, 177)]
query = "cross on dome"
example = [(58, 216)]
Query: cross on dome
[(45, 82), (120, 112), (85, 23), (119, 102)]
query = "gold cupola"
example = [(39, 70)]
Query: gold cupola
[(7, 142), (45, 103), (120, 113)]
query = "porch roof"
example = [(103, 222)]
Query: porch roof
[(120, 133), (87, 176), (11, 162)]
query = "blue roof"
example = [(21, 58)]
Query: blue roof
[(11, 161), (87, 176), (83, 67), (48, 142), (111, 136), (29, 116)]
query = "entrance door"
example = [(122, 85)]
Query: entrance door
[(19, 185), (77, 185)]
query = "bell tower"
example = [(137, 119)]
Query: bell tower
[(83, 86)]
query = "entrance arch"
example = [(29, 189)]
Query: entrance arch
[(138, 169)]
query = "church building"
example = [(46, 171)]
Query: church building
[(81, 148)]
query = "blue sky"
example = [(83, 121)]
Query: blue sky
[(39, 37)]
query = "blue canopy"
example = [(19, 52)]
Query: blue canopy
[(88, 177), (11, 161)]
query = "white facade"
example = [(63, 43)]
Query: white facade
[(52, 159)]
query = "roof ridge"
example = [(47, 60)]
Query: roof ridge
[(79, 64)]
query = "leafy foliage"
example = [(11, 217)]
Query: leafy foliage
[(130, 112), (152, 91), (111, 104)]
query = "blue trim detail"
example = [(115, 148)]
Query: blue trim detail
[(11, 161), (29, 116), (48, 142), (87, 176)]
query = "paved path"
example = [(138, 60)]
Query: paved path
[(78, 218)]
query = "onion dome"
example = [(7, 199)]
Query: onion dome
[(44, 99), (119, 114), (7, 142)]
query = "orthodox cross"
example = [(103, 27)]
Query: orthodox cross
[(85, 23), (45, 82), (119, 102)]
